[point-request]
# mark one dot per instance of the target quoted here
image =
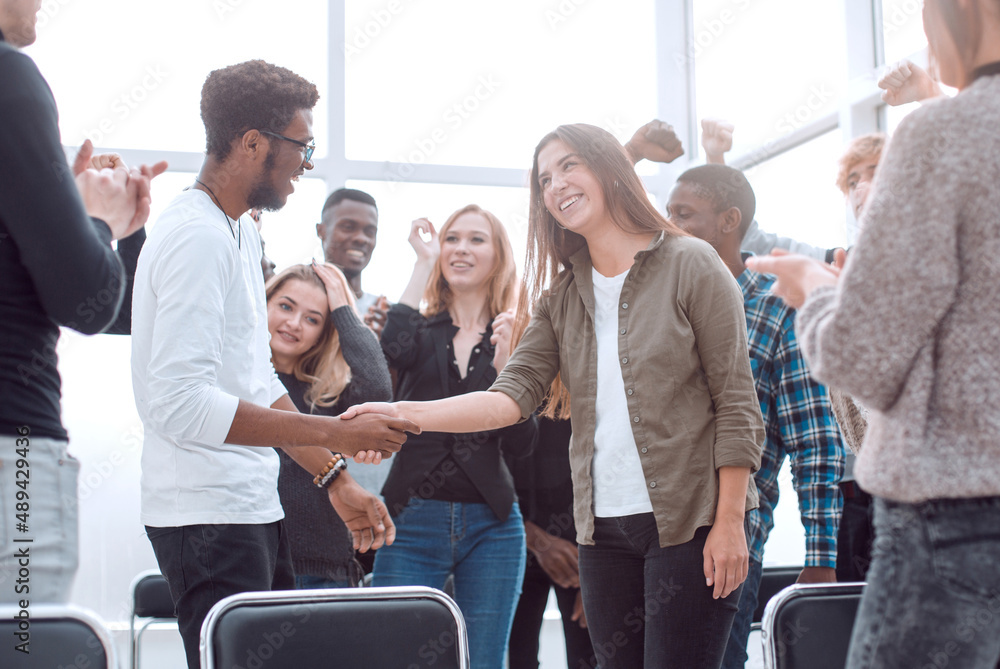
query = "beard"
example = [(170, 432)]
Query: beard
[(262, 194)]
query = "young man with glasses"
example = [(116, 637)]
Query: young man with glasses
[(205, 388)]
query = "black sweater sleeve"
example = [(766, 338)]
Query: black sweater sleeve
[(77, 276), (370, 380), (128, 251)]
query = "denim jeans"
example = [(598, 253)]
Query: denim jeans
[(933, 595), (48, 495), (486, 555), (649, 606), (736, 649), (204, 564)]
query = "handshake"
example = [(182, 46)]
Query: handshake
[(376, 429)]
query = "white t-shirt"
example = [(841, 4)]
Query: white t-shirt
[(619, 484), (199, 345)]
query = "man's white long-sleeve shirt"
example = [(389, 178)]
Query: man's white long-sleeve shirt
[(200, 344)]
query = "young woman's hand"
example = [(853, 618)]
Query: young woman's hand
[(726, 556), (503, 327), (336, 290), (798, 276), (427, 251)]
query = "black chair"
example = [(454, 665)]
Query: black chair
[(809, 626), (772, 581), (350, 627), (151, 604), (58, 635)]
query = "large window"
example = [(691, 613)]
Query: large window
[(465, 83)]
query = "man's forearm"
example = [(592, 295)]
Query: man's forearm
[(255, 425)]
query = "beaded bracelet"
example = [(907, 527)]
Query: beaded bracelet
[(331, 471)]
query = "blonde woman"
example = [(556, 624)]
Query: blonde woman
[(328, 360), (451, 495)]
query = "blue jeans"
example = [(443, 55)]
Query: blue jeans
[(933, 595), (486, 555), (649, 606), (736, 650)]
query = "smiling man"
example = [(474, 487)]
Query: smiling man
[(207, 394), (348, 231)]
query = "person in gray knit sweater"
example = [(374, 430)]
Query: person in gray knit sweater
[(910, 328), (328, 360)]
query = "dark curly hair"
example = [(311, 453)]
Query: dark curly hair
[(250, 95)]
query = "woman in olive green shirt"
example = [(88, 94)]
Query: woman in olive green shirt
[(638, 333)]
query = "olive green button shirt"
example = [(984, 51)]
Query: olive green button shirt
[(682, 349)]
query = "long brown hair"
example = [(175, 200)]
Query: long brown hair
[(501, 293), (550, 246), (323, 366)]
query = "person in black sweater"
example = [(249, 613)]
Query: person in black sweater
[(57, 268), (451, 495), (327, 360)]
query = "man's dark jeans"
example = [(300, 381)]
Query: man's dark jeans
[(204, 564)]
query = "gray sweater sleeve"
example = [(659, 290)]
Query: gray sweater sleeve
[(370, 380)]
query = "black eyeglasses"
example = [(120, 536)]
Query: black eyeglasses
[(310, 148)]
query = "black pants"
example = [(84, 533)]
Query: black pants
[(523, 647), (204, 564), (649, 606), (855, 534)]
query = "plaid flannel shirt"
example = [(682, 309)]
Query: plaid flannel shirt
[(798, 422)]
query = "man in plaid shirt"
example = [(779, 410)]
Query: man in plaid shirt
[(716, 204)]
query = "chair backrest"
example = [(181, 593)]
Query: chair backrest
[(772, 581), (351, 627), (809, 626), (151, 596), (54, 635)]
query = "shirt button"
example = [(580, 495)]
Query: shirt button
[(635, 420), (630, 391), (624, 361), (475, 350), (622, 330), (652, 484), (624, 305), (644, 449)]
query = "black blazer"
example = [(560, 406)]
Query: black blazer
[(418, 348)]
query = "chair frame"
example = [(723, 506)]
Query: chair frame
[(791, 593), (331, 595), (135, 634), (41, 612)]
